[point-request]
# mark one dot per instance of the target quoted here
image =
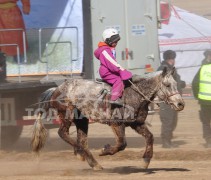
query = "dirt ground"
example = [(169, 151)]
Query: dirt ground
[(189, 160)]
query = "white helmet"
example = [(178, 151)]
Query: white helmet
[(110, 36)]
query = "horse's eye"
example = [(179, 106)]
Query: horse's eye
[(167, 84)]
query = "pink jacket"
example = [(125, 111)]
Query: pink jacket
[(108, 63)]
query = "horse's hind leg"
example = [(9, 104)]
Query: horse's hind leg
[(144, 131), (82, 133), (119, 131), (64, 134)]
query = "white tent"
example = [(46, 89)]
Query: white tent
[(189, 35)]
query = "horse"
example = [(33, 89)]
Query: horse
[(79, 100)]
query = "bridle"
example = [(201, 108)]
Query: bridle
[(156, 89), (167, 96)]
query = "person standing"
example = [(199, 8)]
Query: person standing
[(201, 86), (207, 59), (169, 116)]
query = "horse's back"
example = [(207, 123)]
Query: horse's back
[(85, 86)]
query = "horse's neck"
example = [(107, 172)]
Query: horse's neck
[(156, 86), (149, 87)]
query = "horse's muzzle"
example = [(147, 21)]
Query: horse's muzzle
[(180, 106)]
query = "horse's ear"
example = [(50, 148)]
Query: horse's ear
[(165, 71)]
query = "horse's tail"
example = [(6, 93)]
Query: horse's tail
[(39, 133)]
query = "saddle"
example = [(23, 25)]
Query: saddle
[(98, 80), (104, 91)]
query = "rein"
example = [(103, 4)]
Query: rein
[(146, 98)]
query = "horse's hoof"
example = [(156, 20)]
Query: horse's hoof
[(98, 168), (102, 153), (146, 162), (105, 150), (80, 157), (105, 153)]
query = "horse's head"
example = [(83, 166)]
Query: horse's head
[(168, 91)]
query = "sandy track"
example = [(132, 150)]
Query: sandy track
[(190, 160), (62, 165)]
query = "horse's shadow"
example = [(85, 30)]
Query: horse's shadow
[(133, 169), (95, 143)]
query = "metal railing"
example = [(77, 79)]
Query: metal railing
[(63, 28), (24, 40), (47, 59), (40, 42)]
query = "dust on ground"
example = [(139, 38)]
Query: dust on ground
[(189, 160)]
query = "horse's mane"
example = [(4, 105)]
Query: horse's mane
[(152, 74), (148, 78), (148, 82)]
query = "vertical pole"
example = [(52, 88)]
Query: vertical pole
[(126, 23), (88, 66), (24, 46), (71, 60), (47, 78), (19, 64), (0, 122), (40, 44)]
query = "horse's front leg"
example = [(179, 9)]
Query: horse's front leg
[(119, 131), (64, 134), (142, 129)]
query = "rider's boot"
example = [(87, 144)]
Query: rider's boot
[(117, 102)]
